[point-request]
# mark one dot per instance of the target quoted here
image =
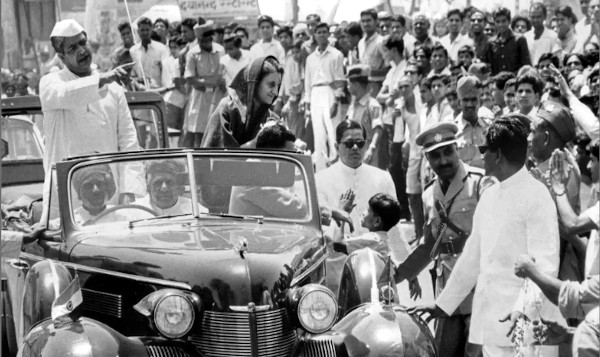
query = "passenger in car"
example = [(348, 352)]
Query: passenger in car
[(165, 188), (95, 187), (278, 202), (239, 116)]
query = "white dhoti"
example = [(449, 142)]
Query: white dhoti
[(321, 102)]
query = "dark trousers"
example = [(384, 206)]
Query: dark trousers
[(451, 336), (398, 174)]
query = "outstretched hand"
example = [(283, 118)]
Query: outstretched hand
[(347, 200), (341, 217), (432, 310)]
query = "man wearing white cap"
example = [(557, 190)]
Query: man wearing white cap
[(84, 111)]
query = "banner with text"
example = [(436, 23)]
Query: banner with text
[(210, 9)]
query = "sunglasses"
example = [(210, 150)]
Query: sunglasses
[(350, 143), (483, 149)]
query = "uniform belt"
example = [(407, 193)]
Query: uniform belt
[(322, 85), (452, 247)]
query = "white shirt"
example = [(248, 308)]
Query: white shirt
[(80, 118), (391, 81), (453, 46), (323, 68), (172, 71), (183, 206), (516, 216), (272, 48), (548, 42), (365, 181), (593, 249), (230, 67), (151, 61)]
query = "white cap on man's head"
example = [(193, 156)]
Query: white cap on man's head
[(66, 28)]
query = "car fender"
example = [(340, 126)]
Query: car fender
[(41, 283), (357, 278), (373, 330), (82, 338)]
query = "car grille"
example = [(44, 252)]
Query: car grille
[(230, 334), (166, 351), (317, 348), (103, 303)]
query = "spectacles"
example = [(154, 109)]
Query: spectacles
[(476, 20), (350, 143), (483, 149)]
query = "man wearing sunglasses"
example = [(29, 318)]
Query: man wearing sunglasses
[(449, 203), (350, 177), (516, 216)]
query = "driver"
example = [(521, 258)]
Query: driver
[(95, 186), (164, 188)]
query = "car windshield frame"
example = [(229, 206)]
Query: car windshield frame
[(190, 156)]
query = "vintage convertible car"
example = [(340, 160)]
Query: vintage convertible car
[(220, 254)]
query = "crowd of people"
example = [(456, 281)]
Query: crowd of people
[(483, 132)]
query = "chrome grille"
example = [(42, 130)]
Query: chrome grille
[(318, 348), (228, 334), (102, 303), (166, 351)]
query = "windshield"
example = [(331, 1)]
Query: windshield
[(22, 137), (137, 191)]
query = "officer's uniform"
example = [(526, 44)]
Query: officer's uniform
[(445, 237)]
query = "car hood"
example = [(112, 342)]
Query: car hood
[(229, 266)]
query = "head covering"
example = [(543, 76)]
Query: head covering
[(479, 69), (300, 28), (243, 90), (384, 15), (468, 86), (66, 28), (170, 166), (87, 172), (559, 117), (205, 29), (358, 71), (438, 135)]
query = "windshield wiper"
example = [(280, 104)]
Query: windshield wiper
[(259, 219), (131, 223)]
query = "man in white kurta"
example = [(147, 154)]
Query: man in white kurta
[(84, 112), (364, 180), (516, 216)]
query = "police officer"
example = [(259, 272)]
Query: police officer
[(449, 202)]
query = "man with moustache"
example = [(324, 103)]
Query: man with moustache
[(515, 216), (84, 111), (449, 203)]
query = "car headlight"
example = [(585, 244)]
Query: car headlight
[(316, 308), (172, 312), (174, 316)]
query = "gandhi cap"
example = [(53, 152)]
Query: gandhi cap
[(467, 85), (359, 70), (66, 28), (559, 117), (438, 135)]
